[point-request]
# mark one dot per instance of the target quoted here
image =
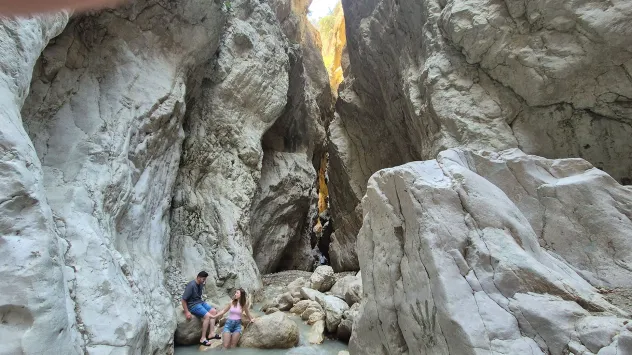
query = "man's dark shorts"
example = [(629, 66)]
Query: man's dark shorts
[(200, 309)]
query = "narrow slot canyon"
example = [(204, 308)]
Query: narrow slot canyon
[(378, 177)]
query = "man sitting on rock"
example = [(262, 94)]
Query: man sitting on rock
[(192, 303)]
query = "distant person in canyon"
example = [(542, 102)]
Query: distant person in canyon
[(192, 303), (323, 259), (25, 7), (232, 328)]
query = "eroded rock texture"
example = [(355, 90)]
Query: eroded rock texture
[(241, 95), (136, 161), (551, 78), (37, 313), (451, 262), (292, 149), (105, 115)]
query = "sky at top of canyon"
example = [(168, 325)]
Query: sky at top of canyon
[(320, 8)]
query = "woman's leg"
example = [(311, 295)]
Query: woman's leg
[(234, 339), (226, 340)]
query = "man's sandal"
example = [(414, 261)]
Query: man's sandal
[(205, 343)]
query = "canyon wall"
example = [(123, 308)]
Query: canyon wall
[(137, 145), (37, 312), (550, 78)]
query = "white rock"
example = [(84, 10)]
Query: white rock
[(468, 262), (274, 331), (311, 310), (479, 74), (316, 334), (315, 316), (301, 306), (188, 331), (36, 309), (285, 302), (95, 152), (105, 113), (353, 293), (323, 278), (596, 333), (310, 294), (334, 308), (340, 288), (294, 287), (578, 212)]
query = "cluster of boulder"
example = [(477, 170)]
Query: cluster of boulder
[(273, 331), (326, 302)]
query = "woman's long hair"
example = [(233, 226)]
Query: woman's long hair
[(242, 298)]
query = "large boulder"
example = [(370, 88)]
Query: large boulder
[(294, 287), (310, 294), (322, 279), (334, 308), (311, 310), (345, 328), (469, 262), (188, 331), (285, 302), (274, 331), (353, 293), (315, 317), (340, 288), (302, 305), (483, 74)]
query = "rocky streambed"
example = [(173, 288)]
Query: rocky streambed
[(298, 313)]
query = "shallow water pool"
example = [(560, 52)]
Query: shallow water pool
[(328, 347)]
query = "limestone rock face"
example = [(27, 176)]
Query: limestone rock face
[(280, 210), (274, 331), (552, 79), (37, 312), (469, 262), (138, 151), (291, 151), (578, 213), (104, 115)]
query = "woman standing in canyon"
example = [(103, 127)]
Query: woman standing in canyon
[(232, 328)]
